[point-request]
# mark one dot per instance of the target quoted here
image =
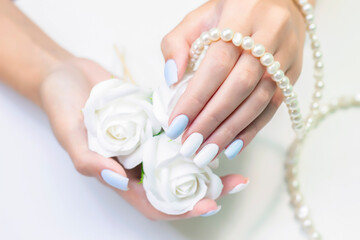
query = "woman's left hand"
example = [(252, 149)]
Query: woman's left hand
[(231, 96)]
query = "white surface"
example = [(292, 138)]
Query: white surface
[(43, 197)]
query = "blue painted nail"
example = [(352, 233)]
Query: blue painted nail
[(170, 72), (233, 149), (213, 212), (177, 126), (114, 179)]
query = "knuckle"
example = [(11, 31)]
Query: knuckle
[(166, 41), (196, 100), (220, 60), (264, 94), (246, 77), (214, 119), (189, 16), (81, 166)]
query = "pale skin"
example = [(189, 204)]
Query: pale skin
[(231, 96), (60, 83)]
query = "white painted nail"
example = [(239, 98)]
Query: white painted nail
[(214, 164), (213, 212), (239, 187), (206, 154), (191, 144)]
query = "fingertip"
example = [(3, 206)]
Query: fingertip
[(234, 183), (204, 206)]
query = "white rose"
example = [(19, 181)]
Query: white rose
[(119, 119), (165, 98), (173, 183)]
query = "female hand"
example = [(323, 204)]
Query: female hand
[(63, 94), (231, 96)]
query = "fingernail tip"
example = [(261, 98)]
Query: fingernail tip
[(212, 212)]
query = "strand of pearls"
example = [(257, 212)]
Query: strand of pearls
[(265, 58), (302, 210)]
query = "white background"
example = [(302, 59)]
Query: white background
[(43, 197)]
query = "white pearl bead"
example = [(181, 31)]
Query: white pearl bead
[(198, 44), (302, 212), (284, 82), (307, 225), (315, 45), (205, 37), (248, 43), (311, 27), (278, 75), (307, 8), (288, 91), (267, 59), (315, 105), (315, 236), (317, 55), (294, 113), (294, 185), (318, 75), (214, 34), (227, 34), (319, 84), (314, 37), (289, 100), (297, 119), (296, 199), (317, 95), (237, 39), (310, 18), (273, 68), (319, 65), (302, 2), (258, 50)]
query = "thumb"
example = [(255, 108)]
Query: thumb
[(106, 170), (175, 46)]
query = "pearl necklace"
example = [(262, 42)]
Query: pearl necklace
[(300, 126)]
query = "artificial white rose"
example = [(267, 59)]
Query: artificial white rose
[(165, 98), (173, 183), (119, 118)]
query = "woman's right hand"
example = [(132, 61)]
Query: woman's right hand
[(63, 94)]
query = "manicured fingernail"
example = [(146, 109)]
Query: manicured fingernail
[(233, 149), (206, 154), (114, 179), (191, 144), (214, 164), (177, 126), (239, 187), (170, 72), (212, 212)]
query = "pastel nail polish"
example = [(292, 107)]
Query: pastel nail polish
[(114, 179), (177, 126), (214, 164), (233, 149), (212, 212), (170, 72), (191, 144), (206, 154), (239, 187)]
